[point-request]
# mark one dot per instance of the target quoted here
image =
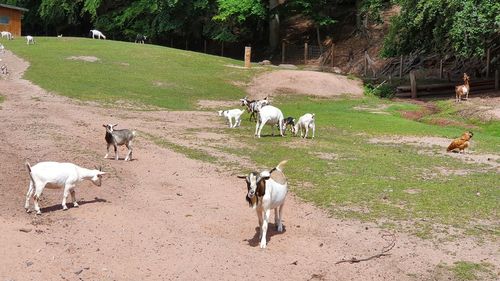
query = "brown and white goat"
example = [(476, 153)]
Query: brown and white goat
[(266, 191), (462, 90)]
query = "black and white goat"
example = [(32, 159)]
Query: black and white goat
[(254, 106), (140, 38), (266, 191), (118, 137), (57, 175)]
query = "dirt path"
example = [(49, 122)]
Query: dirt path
[(165, 217)]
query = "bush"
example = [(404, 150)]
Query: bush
[(381, 91)]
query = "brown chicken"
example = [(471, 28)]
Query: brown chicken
[(461, 143)]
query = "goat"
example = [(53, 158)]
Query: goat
[(59, 36), (7, 34), (57, 175), (30, 40), (95, 32), (118, 137), (266, 191), (230, 114), (4, 70), (140, 38), (254, 106), (269, 115), (462, 90), (289, 122), (2, 49), (306, 122)]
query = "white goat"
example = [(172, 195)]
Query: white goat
[(266, 191), (57, 175), (7, 34), (269, 115), (30, 40), (2, 49), (230, 114), (95, 32), (305, 123), (118, 137)]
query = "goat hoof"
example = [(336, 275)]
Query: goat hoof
[(28, 211), (262, 245), (75, 205), (38, 213)]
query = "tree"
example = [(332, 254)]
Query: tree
[(462, 27)]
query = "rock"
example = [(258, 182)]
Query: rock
[(29, 263), (265, 62), (78, 271), (287, 66), (337, 70)]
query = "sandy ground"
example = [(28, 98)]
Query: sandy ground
[(303, 82), (166, 217)]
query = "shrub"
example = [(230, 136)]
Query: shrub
[(381, 91)]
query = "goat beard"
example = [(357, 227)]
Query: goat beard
[(252, 202)]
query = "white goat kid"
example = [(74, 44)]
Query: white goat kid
[(57, 175), (230, 114), (305, 123), (269, 115), (95, 32), (30, 40), (266, 191), (7, 34)]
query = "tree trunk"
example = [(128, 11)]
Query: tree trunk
[(274, 26), (319, 39)]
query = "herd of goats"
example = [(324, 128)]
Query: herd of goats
[(266, 190)]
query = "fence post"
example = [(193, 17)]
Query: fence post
[(283, 52), (497, 78), (413, 83), (222, 49), (171, 43), (305, 53), (205, 46), (488, 52), (248, 55), (186, 45), (333, 52), (401, 66), (441, 69)]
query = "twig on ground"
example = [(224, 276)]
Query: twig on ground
[(386, 249)]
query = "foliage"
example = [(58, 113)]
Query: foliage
[(381, 91), (464, 27)]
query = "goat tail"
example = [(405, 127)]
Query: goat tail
[(281, 165), (28, 166)]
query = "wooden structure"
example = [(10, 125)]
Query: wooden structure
[(10, 19)]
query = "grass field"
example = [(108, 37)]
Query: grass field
[(136, 73), (395, 185)]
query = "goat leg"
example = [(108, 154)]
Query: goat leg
[(116, 152)]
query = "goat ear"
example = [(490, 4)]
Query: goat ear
[(115, 125), (104, 125), (241, 177)]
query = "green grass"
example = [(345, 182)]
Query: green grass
[(352, 178), (465, 271), (137, 73), (340, 170)]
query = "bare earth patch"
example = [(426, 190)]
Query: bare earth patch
[(163, 216), (84, 58), (303, 82)]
